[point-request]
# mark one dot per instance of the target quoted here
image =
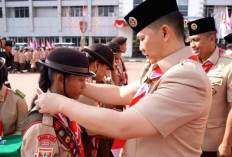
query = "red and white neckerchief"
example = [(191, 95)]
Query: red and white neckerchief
[(1, 126), (207, 65), (142, 91), (71, 125)]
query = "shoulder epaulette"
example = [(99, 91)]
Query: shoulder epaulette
[(19, 93)]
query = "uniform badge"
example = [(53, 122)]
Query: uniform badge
[(61, 133), (71, 145), (213, 91), (19, 93), (45, 143), (57, 126), (133, 22), (67, 139), (216, 81), (42, 152), (47, 137), (194, 26)]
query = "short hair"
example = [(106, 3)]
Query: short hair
[(174, 20)]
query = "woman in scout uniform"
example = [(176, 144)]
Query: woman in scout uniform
[(13, 106), (63, 72), (119, 62), (100, 61)]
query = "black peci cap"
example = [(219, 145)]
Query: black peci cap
[(228, 40), (115, 48), (102, 53), (149, 11), (201, 26), (69, 61), (119, 40)]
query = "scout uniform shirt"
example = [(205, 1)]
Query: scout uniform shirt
[(220, 76), (45, 135), (13, 108), (177, 105)]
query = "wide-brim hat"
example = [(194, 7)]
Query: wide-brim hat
[(228, 40), (119, 40), (149, 11), (68, 61), (202, 25), (115, 48), (102, 53)]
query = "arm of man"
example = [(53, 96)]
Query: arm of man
[(121, 125), (224, 150), (111, 94)]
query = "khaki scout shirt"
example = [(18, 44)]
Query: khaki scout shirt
[(177, 105), (40, 138), (220, 76), (13, 109)]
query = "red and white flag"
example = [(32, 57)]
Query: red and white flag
[(225, 23)]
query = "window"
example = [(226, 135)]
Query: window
[(183, 9), (103, 11), (229, 10), (73, 11), (102, 40), (21, 12), (0, 12), (137, 2), (209, 11)]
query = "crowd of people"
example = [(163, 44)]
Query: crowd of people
[(180, 106)]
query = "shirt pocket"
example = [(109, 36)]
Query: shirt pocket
[(216, 123)]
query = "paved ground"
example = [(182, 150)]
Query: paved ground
[(28, 82)]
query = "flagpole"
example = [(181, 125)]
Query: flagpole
[(219, 31)]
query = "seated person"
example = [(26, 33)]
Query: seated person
[(63, 72), (13, 106)]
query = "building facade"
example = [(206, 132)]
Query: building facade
[(59, 20)]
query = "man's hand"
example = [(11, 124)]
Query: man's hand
[(224, 150)]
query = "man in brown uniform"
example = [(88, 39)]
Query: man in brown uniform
[(218, 67), (13, 106), (168, 114)]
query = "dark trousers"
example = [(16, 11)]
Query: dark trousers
[(209, 154)]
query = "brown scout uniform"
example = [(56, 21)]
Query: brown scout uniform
[(43, 135), (220, 76), (177, 105), (13, 108)]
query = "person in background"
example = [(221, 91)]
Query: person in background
[(228, 40), (16, 60), (63, 72), (218, 66), (13, 106), (21, 59), (168, 113), (119, 63), (101, 59)]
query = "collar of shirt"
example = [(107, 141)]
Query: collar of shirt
[(173, 59), (2, 93), (214, 57)]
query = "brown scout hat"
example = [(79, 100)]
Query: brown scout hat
[(102, 53), (119, 40), (69, 61), (115, 48)]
